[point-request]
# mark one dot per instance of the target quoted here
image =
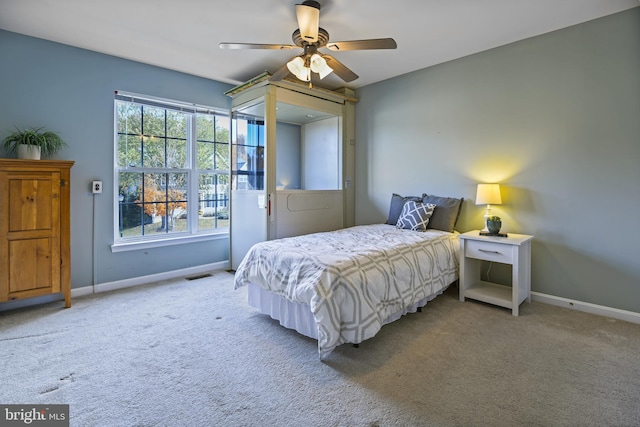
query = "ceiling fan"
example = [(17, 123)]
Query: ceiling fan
[(310, 37)]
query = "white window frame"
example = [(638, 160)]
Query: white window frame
[(193, 234)]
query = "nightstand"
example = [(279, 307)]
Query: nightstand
[(514, 250)]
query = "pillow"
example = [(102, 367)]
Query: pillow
[(415, 215), (446, 213), (395, 208)]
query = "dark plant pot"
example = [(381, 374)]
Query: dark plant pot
[(494, 226)]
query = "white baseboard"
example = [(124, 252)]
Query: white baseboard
[(614, 313), (143, 280), (81, 292)]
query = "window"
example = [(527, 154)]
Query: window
[(248, 153), (172, 170)]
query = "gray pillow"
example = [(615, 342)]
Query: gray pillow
[(446, 213), (415, 215), (396, 205)]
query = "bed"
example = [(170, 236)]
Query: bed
[(343, 286)]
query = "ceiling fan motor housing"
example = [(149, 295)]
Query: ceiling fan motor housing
[(311, 3), (323, 38)]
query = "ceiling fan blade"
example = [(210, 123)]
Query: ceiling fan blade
[(387, 43), (280, 74), (340, 69), (256, 46), (308, 14)]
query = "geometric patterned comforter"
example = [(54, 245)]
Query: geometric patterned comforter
[(354, 278)]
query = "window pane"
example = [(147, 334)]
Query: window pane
[(153, 150), (176, 201), (248, 153), (129, 118), (131, 215), (153, 121), (176, 124), (222, 129), (206, 155), (213, 201), (255, 133), (129, 151), (223, 200), (177, 153), (222, 156), (205, 125)]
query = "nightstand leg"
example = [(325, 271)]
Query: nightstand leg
[(516, 283), (527, 268)]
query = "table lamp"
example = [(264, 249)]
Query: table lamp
[(488, 194)]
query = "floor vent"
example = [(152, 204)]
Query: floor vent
[(200, 276)]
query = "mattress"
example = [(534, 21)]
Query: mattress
[(353, 280)]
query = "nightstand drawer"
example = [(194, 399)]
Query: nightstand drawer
[(489, 251)]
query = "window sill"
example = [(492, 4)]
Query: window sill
[(149, 244)]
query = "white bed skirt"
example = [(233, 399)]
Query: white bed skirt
[(298, 316)]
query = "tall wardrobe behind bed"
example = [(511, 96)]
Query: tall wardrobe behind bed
[(292, 162)]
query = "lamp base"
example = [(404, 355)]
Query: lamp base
[(487, 214), (488, 233)]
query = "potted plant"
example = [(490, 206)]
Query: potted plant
[(494, 223), (32, 143)]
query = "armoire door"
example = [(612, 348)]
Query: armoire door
[(30, 234)]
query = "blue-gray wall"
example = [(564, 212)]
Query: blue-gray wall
[(555, 119), (71, 91)]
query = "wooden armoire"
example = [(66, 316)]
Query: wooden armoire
[(35, 253)]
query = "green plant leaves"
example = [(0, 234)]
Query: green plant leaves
[(48, 141)]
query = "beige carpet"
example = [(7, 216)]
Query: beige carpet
[(193, 353)]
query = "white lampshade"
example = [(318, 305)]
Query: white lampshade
[(319, 65), (297, 68), (488, 194)]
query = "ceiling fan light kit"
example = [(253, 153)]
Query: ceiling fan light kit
[(297, 68), (319, 65), (310, 37)]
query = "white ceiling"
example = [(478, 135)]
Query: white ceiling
[(184, 35)]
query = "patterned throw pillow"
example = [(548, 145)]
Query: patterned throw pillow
[(415, 216)]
